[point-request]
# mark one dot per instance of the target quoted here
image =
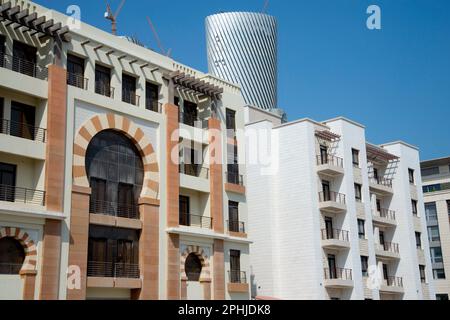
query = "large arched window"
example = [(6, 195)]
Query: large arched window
[(193, 267), (115, 172), (12, 256)]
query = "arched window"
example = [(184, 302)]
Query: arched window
[(12, 256), (116, 174), (193, 267)]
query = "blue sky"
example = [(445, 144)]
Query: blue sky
[(396, 81)]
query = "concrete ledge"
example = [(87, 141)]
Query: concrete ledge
[(229, 187), (119, 283), (93, 282), (238, 287), (128, 223), (149, 201), (128, 283), (238, 234), (110, 221)]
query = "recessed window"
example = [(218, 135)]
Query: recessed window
[(365, 266), (103, 81), (439, 274), (411, 176), (419, 240), (423, 277), (431, 212), (236, 276), (361, 229), (434, 234), (152, 97), (436, 255), (355, 158), (358, 193), (442, 297), (414, 207), (75, 72), (129, 89)]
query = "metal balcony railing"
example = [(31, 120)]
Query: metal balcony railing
[(236, 226), (393, 282), (237, 276), (386, 214), (335, 234), (113, 270), (235, 178), (338, 274), (153, 105), (22, 195), (23, 130), (130, 97), (114, 209), (23, 66), (104, 90), (77, 80), (381, 181), (10, 268), (330, 160), (194, 170), (192, 120), (390, 247), (332, 196), (190, 220)]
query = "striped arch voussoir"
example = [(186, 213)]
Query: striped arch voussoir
[(27, 243), (204, 259), (116, 122)]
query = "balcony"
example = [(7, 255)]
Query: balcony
[(23, 130), (392, 285), (236, 227), (388, 250), (384, 217), (332, 202), (130, 97), (194, 170), (77, 80), (330, 165), (335, 239), (381, 186), (23, 66), (237, 282), (113, 270), (235, 183), (104, 90), (190, 220), (22, 195), (338, 278), (114, 209), (192, 120)]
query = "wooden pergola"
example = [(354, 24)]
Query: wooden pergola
[(377, 154), (327, 135), (33, 23), (188, 82)]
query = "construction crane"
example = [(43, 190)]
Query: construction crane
[(158, 40), (113, 16), (266, 6)]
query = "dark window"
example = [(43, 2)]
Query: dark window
[(233, 165), (436, 255), (12, 256), (332, 269), (375, 174), (75, 71), (129, 89), (365, 266), (326, 190), (439, 274), (442, 297), (378, 205), (24, 60), (323, 154), (7, 182), (414, 207), (358, 194), (2, 50), (231, 122), (423, 277), (193, 267), (233, 213), (22, 121), (448, 207), (184, 207), (431, 212), (103, 81), (430, 171), (152, 97), (361, 229), (434, 234), (411, 176), (189, 114), (235, 266), (432, 188), (419, 240), (329, 228), (116, 174), (355, 157), (382, 239)]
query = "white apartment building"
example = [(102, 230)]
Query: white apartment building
[(330, 211), (118, 180), (436, 188)]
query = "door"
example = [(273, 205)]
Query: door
[(233, 212), (323, 155), (185, 219), (329, 228), (379, 205), (382, 240), (386, 273), (7, 182), (98, 265), (193, 269), (24, 58), (23, 119), (375, 174), (332, 266), (235, 266), (326, 190)]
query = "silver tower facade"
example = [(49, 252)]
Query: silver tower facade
[(242, 49)]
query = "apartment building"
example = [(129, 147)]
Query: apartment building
[(436, 190), (119, 176), (333, 216)]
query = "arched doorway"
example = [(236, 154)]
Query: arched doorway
[(12, 256), (193, 269)]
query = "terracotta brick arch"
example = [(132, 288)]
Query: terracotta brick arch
[(116, 122), (204, 259), (28, 245)]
